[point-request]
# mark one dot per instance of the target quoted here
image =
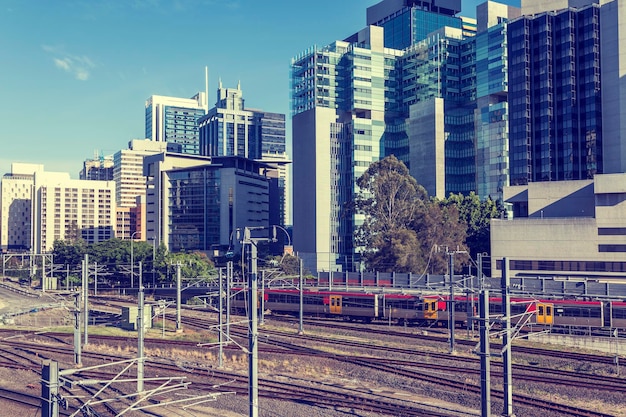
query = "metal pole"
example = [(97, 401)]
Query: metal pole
[(253, 387), (229, 276), (262, 317), (616, 333), (86, 298), (507, 409), (132, 260), (451, 323), (50, 389), (77, 344), (67, 277), (43, 273), (163, 321), (140, 336), (301, 327), (480, 271), (219, 325), (485, 372), (95, 278), (153, 260), (179, 326)]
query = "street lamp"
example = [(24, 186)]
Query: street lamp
[(288, 237), (132, 260)]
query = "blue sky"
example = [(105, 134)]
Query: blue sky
[(75, 74)]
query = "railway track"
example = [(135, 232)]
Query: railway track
[(393, 366)]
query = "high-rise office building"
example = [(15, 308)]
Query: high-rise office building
[(99, 168), (407, 22), (198, 202), (338, 105), (358, 100), (130, 184), (435, 104), (492, 106), (567, 89), (231, 129), (556, 104), (175, 120)]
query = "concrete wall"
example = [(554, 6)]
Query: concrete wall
[(427, 146), (312, 186), (602, 344)]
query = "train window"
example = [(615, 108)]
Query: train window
[(548, 311), (619, 313), (541, 311)]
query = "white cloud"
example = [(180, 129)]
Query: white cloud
[(62, 63), (78, 66)]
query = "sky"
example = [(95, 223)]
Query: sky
[(75, 74)]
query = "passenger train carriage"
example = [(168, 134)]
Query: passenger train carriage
[(433, 309)]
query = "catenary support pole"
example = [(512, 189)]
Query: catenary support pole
[(507, 366), (44, 280), (485, 372), (77, 341), (301, 326), (451, 324), (229, 279), (220, 338), (179, 325), (95, 278), (262, 308), (50, 389), (86, 299), (140, 335), (253, 387)]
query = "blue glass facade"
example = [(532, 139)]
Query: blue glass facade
[(492, 112), (181, 126), (194, 201), (555, 99), (409, 22)]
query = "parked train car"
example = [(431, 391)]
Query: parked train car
[(349, 305), (553, 313), (617, 314), (433, 309)]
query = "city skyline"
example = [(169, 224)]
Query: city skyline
[(78, 73)]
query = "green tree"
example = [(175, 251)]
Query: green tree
[(477, 215), (388, 196), (440, 230), (69, 253), (194, 265), (396, 251), (391, 201)]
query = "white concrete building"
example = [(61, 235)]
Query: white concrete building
[(568, 229), (65, 208), (16, 194), (39, 207)]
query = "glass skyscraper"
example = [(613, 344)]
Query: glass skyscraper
[(555, 96), (385, 92), (176, 120), (338, 96), (407, 22), (229, 129)]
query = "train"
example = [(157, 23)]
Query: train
[(433, 309)]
